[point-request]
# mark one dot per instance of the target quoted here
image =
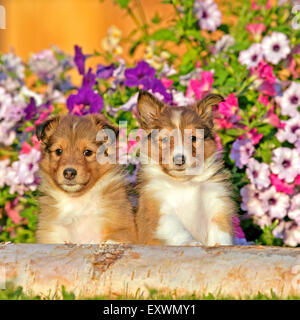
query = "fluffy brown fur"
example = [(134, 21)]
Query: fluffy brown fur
[(175, 208), (92, 206)]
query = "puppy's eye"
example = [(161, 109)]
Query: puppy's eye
[(165, 140), (193, 138), (87, 153), (58, 152)]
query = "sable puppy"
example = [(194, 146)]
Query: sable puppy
[(84, 201), (176, 208)]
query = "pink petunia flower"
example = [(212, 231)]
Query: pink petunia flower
[(229, 107), (167, 82), (281, 185), (256, 29), (275, 203), (265, 72), (253, 135), (258, 173), (10, 209), (200, 87)]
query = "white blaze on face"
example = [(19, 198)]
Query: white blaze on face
[(179, 149)]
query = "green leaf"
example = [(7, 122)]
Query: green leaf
[(164, 34), (156, 19), (123, 3)]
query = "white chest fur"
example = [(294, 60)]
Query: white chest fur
[(186, 208), (79, 218)]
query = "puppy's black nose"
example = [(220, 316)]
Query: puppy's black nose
[(179, 160), (70, 173)]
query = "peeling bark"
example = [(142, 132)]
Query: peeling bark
[(90, 270)]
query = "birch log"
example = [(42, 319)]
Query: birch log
[(90, 270)]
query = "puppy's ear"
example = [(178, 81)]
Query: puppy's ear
[(149, 107), (102, 123), (204, 107), (45, 130)]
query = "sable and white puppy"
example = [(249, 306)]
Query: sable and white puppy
[(84, 201), (179, 206)]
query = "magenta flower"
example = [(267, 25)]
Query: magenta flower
[(238, 231), (200, 87), (265, 72), (140, 76), (281, 185), (255, 136), (252, 56), (208, 14), (286, 164), (275, 203), (258, 173), (229, 107), (241, 152)]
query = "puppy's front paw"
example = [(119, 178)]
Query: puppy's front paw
[(193, 243)]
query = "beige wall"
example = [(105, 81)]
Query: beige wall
[(33, 25)]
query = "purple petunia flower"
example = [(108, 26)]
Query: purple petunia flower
[(86, 96), (79, 59), (156, 86), (141, 75), (30, 110), (105, 72), (241, 151)]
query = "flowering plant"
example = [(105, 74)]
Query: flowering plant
[(249, 52)]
